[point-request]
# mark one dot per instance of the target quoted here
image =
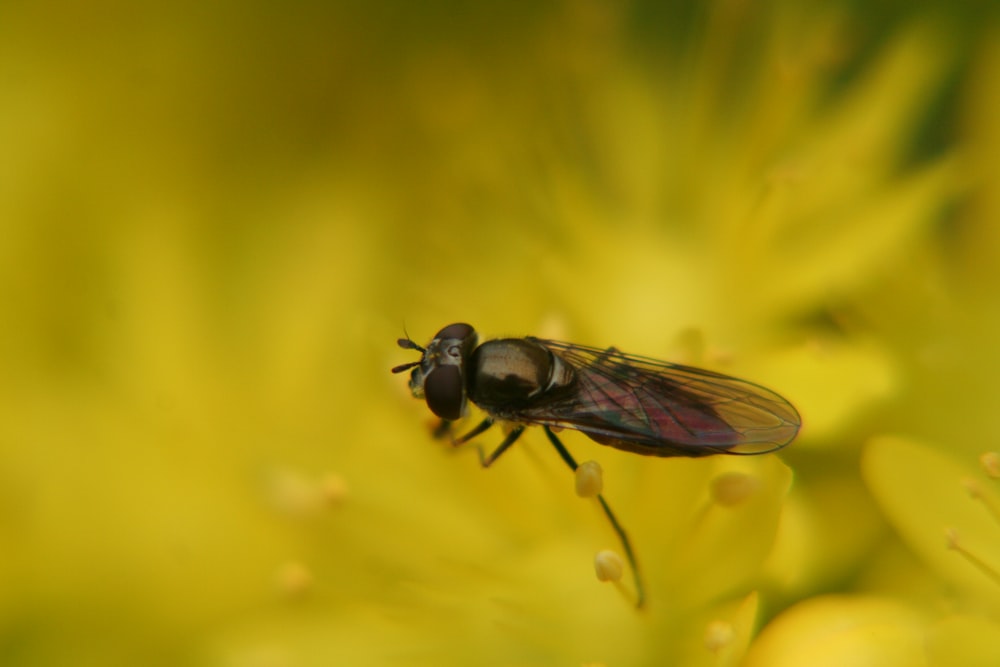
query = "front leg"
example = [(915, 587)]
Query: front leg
[(443, 430), (480, 428), (484, 460)]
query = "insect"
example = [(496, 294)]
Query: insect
[(633, 403)]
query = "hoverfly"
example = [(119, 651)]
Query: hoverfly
[(633, 403)]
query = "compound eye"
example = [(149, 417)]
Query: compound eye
[(445, 392), (460, 331)]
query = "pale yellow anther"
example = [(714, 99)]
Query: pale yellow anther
[(953, 543), (977, 492), (951, 538), (589, 479), (719, 635), (690, 344), (294, 579), (991, 464), (333, 489), (972, 487), (608, 565), (733, 488), (299, 494)]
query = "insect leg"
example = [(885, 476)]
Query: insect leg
[(484, 460), (487, 461), (482, 426), (441, 430), (619, 531), (610, 352)]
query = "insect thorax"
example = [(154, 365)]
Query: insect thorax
[(510, 372)]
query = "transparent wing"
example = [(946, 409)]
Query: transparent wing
[(654, 407)]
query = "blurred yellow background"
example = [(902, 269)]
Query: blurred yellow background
[(215, 220)]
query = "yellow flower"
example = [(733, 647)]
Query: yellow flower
[(216, 223), (950, 516), (842, 630)]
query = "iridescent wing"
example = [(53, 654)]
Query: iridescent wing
[(657, 408)]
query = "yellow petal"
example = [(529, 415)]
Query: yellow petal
[(833, 631), (926, 497)]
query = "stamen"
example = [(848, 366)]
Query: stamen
[(608, 565), (690, 344), (952, 542), (589, 479), (976, 492), (719, 635), (733, 488), (301, 495), (333, 489), (991, 464), (294, 579)]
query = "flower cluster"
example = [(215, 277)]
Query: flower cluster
[(218, 221)]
